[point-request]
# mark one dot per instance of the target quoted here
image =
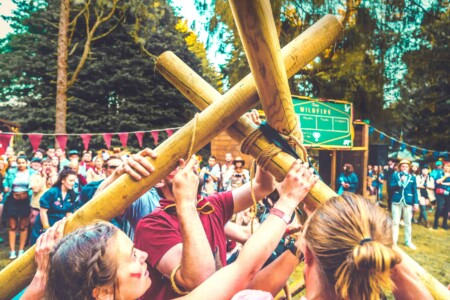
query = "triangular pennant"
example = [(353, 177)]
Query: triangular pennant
[(155, 136), (108, 137), (35, 140), (381, 136), (371, 130), (435, 154), (413, 150), (123, 137), (424, 151), (62, 141), (402, 146), (139, 136), (5, 139), (169, 132), (86, 137), (392, 143)]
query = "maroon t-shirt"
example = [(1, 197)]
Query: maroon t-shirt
[(159, 231)]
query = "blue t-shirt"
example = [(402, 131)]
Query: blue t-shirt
[(53, 201)]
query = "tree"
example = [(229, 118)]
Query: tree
[(117, 90)]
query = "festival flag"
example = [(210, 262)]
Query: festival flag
[(139, 136), (435, 154), (123, 137), (108, 137), (35, 140), (169, 132), (371, 130), (424, 152), (402, 146), (413, 150), (392, 143), (61, 139), (5, 139), (86, 137), (155, 136), (381, 136)]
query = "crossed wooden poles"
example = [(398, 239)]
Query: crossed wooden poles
[(255, 23)]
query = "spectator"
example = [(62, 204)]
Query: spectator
[(443, 197), (74, 155), (55, 163), (17, 205), (63, 161), (348, 180), (86, 162), (97, 172), (239, 176), (436, 173), (405, 198), (378, 183), (227, 169), (80, 181), (51, 151), (56, 203), (38, 185), (389, 171), (211, 177), (425, 184), (2, 175), (39, 154)]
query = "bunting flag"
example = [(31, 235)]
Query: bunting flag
[(35, 140), (413, 150), (86, 137), (392, 143), (169, 132), (402, 146), (62, 141), (5, 139), (155, 136), (424, 152), (123, 136), (435, 155), (139, 136), (371, 130), (108, 137), (382, 136)]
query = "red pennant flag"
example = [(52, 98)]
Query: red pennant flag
[(86, 137), (123, 136), (108, 137), (139, 135), (62, 141), (5, 138), (35, 140), (169, 132), (155, 136)]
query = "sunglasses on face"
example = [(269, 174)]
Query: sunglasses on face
[(112, 167)]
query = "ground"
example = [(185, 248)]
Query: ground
[(432, 251)]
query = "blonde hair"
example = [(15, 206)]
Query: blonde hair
[(351, 240)]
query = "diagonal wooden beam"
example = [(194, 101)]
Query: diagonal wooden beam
[(256, 27), (199, 92)]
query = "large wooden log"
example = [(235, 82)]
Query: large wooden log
[(199, 92), (256, 26)]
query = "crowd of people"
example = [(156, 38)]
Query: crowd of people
[(179, 239)]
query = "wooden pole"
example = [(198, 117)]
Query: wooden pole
[(256, 26), (199, 92)]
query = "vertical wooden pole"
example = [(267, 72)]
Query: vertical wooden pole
[(256, 26), (333, 170), (365, 159)]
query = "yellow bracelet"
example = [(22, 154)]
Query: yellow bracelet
[(174, 284), (46, 227)]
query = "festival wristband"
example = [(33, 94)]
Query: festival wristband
[(276, 212)]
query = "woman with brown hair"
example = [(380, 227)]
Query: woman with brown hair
[(348, 180)]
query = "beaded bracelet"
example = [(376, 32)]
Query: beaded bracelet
[(174, 284)]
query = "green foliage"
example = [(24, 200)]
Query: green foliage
[(117, 90)]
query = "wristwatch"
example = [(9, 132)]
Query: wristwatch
[(281, 214)]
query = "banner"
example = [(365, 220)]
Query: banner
[(123, 136), (86, 137), (35, 140), (62, 141), (108, 137)]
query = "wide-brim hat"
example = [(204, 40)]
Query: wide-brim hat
[(239, 159), (404, 161)]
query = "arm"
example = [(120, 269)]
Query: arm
[(415, 193), (36, 184), (235, 277), (194, 255), (395, 183), (89, 176), (237, 232), (407, 283), (44, 245), (44, 217), (263, 185)]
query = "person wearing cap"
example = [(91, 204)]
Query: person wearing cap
[(74, 155), (405, 196), (442, 196), (36, 164)]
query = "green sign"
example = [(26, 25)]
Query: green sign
[(325, 123)]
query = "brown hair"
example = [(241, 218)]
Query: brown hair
[(351, 239), (349, 168), (79, 263)]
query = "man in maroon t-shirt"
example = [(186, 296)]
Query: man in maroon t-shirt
[(191, 259)]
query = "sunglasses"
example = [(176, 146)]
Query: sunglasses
[(112, 167)]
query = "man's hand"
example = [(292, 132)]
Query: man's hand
[(185, 183), (297, 183), (137, 165), (254, 117)]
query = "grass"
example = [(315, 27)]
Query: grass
[(432, 251)]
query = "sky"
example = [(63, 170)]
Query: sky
[(6, 6)]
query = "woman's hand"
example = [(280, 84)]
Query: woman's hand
[(45, 244)]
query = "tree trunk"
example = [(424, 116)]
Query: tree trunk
[(61, 81)]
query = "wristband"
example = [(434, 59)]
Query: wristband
[(174, 284), (276, 212)]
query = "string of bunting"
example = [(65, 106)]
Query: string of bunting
[(403, 145), (36, 138)]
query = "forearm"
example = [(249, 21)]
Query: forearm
[(197, 260), (273, 277), (44, 218), (36, 289)]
